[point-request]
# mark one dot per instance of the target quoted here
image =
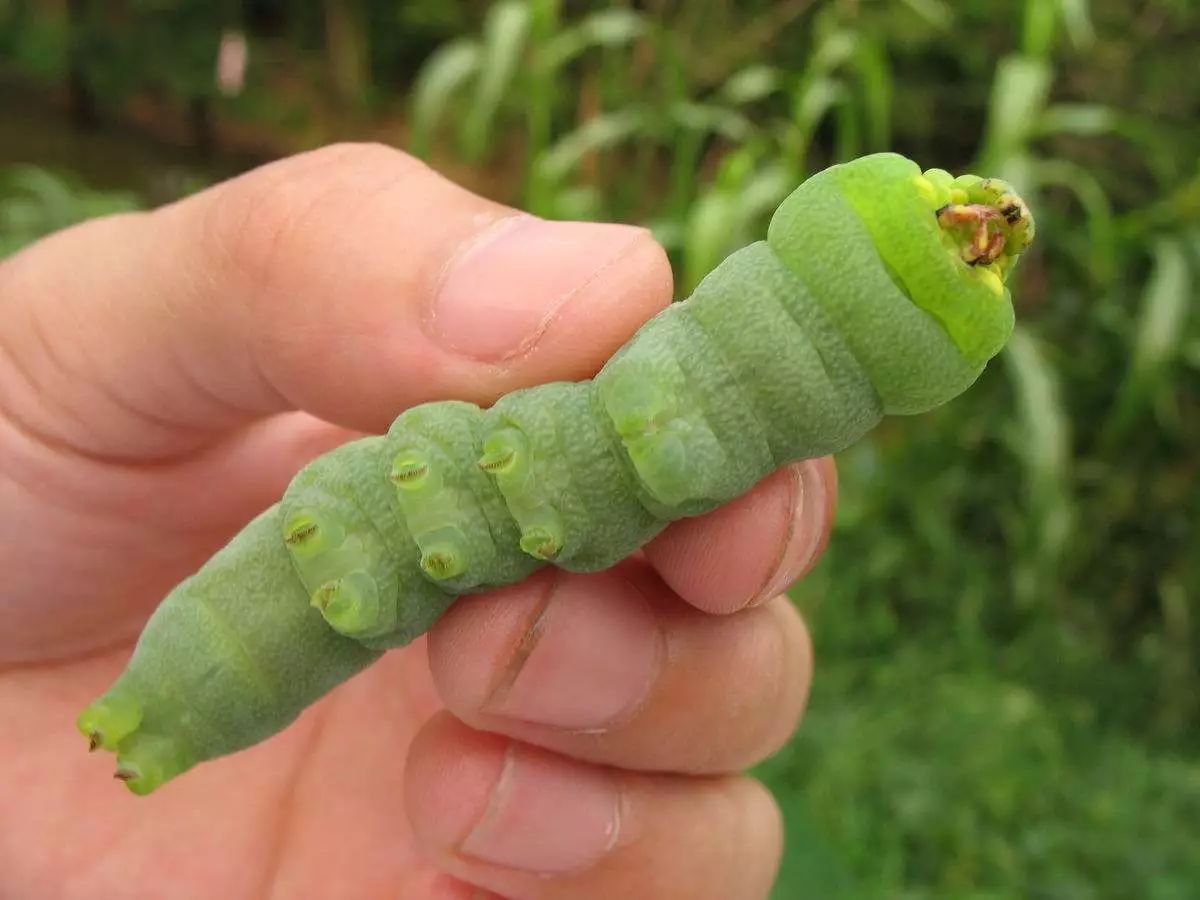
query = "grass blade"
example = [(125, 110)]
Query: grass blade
[(504, 37), (751, 84), (607, 28), (936, 13), (445, 73), (1077, 20), (1018, 96), (598, 133), (1160, 333), (1041, 439), (1102, 231)]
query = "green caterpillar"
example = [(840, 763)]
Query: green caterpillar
[(879, 290)]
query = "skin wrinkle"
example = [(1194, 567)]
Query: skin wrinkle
[(215, 241), (105, 389), (67, 413), (195, 279), (120, 633), (264, 285), (297, 221), (287, 175), (45, 344), (132, 464), (41, 662), (41, 487), (25, 376), (224, 241), (237, 415), (142, 418)]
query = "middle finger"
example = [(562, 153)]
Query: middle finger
[(614, 667)]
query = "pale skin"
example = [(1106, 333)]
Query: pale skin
[(162, 376)]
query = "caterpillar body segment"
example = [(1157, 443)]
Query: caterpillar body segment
[(232, 656), (879, 290)]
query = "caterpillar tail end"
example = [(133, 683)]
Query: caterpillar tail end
[(144, 761), (230, 657)]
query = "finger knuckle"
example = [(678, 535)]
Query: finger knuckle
[(265, 225)]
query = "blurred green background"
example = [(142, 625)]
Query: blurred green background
[(1007, 701)]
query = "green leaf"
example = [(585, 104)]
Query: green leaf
[(812, 101), (936, 13), (1160, 332), (710, 118), (607, 28), (751, 84), (1084, 119), (1043, 425), (1039, 27), (1102, 232), (1019, 94), (875, 86), (444, 74), (1041, 439), (504, 36), (596, 134), (834, 51), (35, 202), (1077, 19), (706, 235), (815, 100)]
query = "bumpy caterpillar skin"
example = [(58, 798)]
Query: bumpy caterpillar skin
[(879, 290)]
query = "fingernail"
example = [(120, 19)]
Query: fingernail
[(805, 531), (587, 661), (499, 294), (547, 815)]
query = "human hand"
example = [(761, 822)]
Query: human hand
[(163, 375)]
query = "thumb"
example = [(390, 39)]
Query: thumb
[(349, 282)]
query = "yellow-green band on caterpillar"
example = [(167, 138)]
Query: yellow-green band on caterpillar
[(880, 289)]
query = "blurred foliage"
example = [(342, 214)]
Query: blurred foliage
[(1006, 623), (35, 202)]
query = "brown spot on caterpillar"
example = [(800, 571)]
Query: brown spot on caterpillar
[(440, 565), (985, 245), (408, 474), (985, 254), (93, 741), (495, 462), (323, 594), (124, 775), (302, 534)]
